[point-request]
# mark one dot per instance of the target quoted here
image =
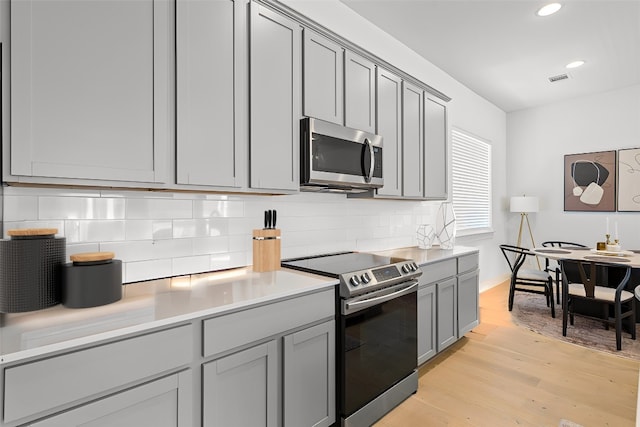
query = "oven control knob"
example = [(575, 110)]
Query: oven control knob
[(405, 268), (354, 280), (415, 267), (365, 278)]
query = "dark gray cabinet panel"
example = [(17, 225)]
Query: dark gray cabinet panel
[(242, 389), (468, 309), (309, 377), (447, 301), (161, 403), (427, 320), (412, 141), (211, 52), (389, 125), (90, 90), (275, 73), (360, 75), (435, 150), (323, 81)]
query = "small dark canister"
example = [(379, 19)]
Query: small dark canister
[(30, 264), (91, 279)]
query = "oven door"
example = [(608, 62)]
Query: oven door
[(337, 156), (378, 345)]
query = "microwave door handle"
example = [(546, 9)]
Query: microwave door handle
[(372, 163)]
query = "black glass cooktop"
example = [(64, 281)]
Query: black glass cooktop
[(339, 263)]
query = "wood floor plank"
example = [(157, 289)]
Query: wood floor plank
[(501, 374)]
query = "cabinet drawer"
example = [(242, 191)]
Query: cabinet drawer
[(468, 263), (233, 330), (60, 380), (438, 271)]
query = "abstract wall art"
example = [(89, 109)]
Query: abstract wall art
[(590, 182), (629, 180)]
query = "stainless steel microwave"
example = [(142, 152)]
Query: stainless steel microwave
[(338, 158)]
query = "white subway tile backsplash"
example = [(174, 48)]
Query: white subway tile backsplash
[(160, 234), (158, 209)]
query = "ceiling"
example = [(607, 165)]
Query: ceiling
[(505, 53)]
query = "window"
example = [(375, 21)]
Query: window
[(471, 183)]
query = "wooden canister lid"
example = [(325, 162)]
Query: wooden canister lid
[(22, 232), (92, 256)]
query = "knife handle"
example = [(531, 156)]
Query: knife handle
[(274, 216), (266, 219)]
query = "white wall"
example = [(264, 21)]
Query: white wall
[(467, 111), (539, 138)]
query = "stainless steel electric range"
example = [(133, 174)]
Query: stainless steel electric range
[(376, 331)]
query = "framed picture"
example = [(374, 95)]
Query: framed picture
[(590, 182), (629, 180)]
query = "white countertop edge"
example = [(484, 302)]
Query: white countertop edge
[(70, 345)]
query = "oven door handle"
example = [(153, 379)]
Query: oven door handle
[(352, 307)]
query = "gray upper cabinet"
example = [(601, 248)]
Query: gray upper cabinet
[(211, 48), (389, 125), (412, 141), (360, 74), (275, 74), (323, 80), (435, 150), (90, 90)]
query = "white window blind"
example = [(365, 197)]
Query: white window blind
[(471, 183)]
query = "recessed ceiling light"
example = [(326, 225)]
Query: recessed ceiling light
[(549, 9), (575, 64)]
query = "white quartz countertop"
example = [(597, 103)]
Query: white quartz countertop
[(148, 305), (427, 256)]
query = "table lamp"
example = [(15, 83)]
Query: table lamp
[(524, 205)]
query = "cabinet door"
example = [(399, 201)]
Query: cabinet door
[(359, 78), (242, 389), (90, 89), (412, 141), (447, 313), (389, 125), (468, 310), (275, 100), (323, 78), (166, 402), (435, 150), (309, 377), (211, 146), (427, 310)]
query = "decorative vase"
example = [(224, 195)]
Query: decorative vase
[(426, 236), (446, 225)]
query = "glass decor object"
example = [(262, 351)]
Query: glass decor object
[(446, 225), (426, 236)]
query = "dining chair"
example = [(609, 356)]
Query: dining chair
[(588, 289), (527, 280), (548, 268)]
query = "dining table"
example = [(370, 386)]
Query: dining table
[(629, 258)]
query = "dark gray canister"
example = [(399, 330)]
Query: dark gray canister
[(30, 264), (91, 280)]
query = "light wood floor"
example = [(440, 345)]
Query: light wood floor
[(503, 375)]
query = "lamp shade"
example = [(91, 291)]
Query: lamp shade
[(524, 204)]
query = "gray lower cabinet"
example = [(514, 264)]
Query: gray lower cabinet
[(435, 150), (211, 75), (323, 92), (275, 110), (412, 142), (309, 377), (359, 92), (90, 91), (447, 303), (427, 320), (161, 403), (242, 389)]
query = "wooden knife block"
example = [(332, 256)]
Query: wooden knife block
[(266, 249)]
